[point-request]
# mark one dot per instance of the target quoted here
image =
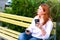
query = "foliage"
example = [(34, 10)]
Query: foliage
[(24, 7), (8, 10)]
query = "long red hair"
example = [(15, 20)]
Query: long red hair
[(46, 10)]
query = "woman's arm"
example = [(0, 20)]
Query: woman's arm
[(30, 27), (41, 28), (47, 31), (43, 32)]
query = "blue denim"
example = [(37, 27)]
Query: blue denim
[(24, 36)]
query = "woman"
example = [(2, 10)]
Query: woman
[(39, 30)]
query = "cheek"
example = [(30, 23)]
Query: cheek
[(40, 11)]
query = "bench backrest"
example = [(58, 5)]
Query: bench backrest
[(8, 18), (18, 20)]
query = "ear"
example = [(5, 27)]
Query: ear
[(44, 10)]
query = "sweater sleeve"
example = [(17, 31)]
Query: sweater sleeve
[(30, 28), (48, 29)]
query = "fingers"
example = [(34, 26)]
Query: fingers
[(27, 33), (43, 32)]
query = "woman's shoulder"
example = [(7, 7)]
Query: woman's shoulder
[(36, 17), (49, 21)]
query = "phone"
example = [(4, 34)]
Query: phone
[(36, 20)]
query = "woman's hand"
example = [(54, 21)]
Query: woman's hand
[(40, 27), (27, 32), (43, 32)]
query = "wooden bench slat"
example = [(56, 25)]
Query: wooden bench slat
[(14, 22), (53, 31), (7, 37), (16, 17), (10, 34), (54, 24), (9, 30)]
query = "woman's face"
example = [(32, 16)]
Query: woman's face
[(40, 11)]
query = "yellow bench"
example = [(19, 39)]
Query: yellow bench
[(12, 19)]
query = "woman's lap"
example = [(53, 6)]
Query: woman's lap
[(24, 36), (33, 38)]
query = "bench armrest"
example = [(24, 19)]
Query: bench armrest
[(54, 37)]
